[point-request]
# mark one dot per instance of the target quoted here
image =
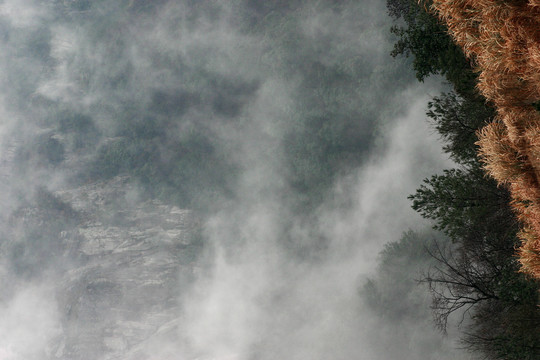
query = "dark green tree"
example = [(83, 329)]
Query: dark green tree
[(457, 119), (476, 273), (422, 36)]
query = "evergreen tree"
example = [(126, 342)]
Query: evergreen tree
[(477, 273)]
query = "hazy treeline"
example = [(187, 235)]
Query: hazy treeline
[(476, 275)]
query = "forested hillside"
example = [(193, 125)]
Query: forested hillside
[(502, 39), (477, 275)]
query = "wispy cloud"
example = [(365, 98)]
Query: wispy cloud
[(29, 321), (259, 300), (271, 88)]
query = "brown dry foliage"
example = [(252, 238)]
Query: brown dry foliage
[(529, 252), (501, 158), (502, 38)]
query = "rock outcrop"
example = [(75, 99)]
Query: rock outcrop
[(123, 261)]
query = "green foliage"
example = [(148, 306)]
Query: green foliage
[(394, 294), (457, 120), (400, 264), (425, 38), (478, 273), (464, 204)]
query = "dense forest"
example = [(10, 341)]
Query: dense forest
[(475, 278), (501, 39)]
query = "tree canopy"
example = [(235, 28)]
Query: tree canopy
[(477, 272)]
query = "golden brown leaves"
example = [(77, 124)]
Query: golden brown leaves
[(503, 40)]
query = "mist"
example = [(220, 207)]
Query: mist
[(207, 180)]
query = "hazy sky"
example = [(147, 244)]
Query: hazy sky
[(250, 98)]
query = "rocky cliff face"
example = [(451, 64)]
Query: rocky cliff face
[(123, 263)]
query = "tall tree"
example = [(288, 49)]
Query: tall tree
[(422, 36), (477, 272)]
